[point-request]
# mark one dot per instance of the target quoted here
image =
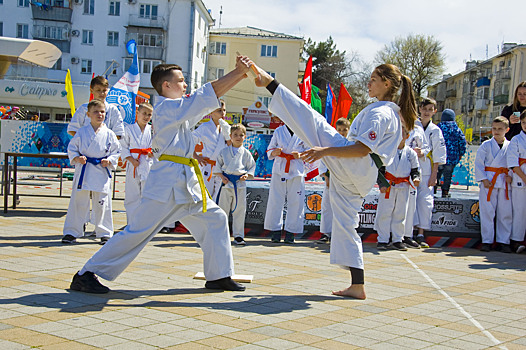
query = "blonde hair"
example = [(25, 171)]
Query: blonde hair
[(94, 103), (501, 119), (343, 122), (146, 105), (406, 101), (238, 126)]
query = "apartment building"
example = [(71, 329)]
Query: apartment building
[(480, 92), (92, 34)]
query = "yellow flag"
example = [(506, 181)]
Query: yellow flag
[(69, 90), (469, 135)]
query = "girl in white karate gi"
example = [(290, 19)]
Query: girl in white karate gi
[(235, 160), (377, 129), (137, 151), (94, 150), (403, 175), (174, 190), (213, 135), (516, 160), (491, 170), (287, 184)]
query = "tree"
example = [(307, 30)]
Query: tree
[(418, 56)]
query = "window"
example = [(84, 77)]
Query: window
[(1, 28), (115, 8), (199, 22), (58, 3), (220, 72), (22, 31), (198, 49), (147, 65), (269, 51), (218, 48), (111, 67), (23, 3), (148, 11), (272, 74), (85, 67), (196, 78), (113, 38), (89, 7), (49, 32), (63, 117), (87, 37), (265, 100), (154, 40), (58, 64)]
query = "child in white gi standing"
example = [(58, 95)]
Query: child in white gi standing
[(235, 165), (491, 170), (137, 151), (287, 184), (214, 135), (429, 166), (375, 130), (342, 127), (174, 189), (402, 174), (516, 161), (94, 150)]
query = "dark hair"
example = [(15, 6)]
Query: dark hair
[(406, 101), (162, 73), (516, 103), (99, 80), (343, 122), (501, 119), (428, 101), (95, 103)]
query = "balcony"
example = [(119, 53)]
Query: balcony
[(149, 22), (148, 52), (484, 81), (503, 74), (52, 13), (481, 104), (451, 93), (500, 99)]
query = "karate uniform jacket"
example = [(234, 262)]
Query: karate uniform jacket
[(490, 154), (516, 150), (401, 166), (288, 144), (239, 163), (418, 139), (213, 141), (134, 138), (436, 146), (103, 144), (172, 120), (113, 119)]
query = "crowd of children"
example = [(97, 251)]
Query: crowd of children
[(208, 182)]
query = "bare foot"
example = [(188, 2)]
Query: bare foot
[(356, 291)]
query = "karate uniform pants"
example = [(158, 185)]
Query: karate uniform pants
[(410, 214), (133, 193), (293, 191), (227, 202), (518, 201), (209, 229), (390, 214), (79, 209), (502, 207), (215, 182), (326, 212), (424, 204)]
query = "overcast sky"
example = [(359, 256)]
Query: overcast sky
[(465, 27)]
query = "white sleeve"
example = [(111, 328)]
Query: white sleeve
[(512, 154), (73, 148), (272, 144), (439, 147), (225, 129), (125, 145), (77, 120), (480, 158), (115, 151)]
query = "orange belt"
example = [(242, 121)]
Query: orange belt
[(288, 157), (212, 163), (498, 171), (522, 161), (394, 181), (140, 152)]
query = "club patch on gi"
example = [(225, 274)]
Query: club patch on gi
[(372, 135)]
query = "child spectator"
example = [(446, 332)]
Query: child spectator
[(455, 148), (235, 165), (491, 170), (137, 151), (342, 127), (286, 184), (429, 168), (99, 88), (213, 136), (516, 161), (94, 150), (392, 202)]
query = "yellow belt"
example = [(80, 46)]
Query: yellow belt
[(193, 163), (430, 156)]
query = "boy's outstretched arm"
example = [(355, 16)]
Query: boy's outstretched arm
[(222, 85)]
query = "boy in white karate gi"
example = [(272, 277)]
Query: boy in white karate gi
[(174, 189), (99, 88), (342, 127), (235, 165), (429, 167), (213, 135), (516, 160), (491, 170), (94, 150), (137, 151), (403, 173), (287, 183)]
